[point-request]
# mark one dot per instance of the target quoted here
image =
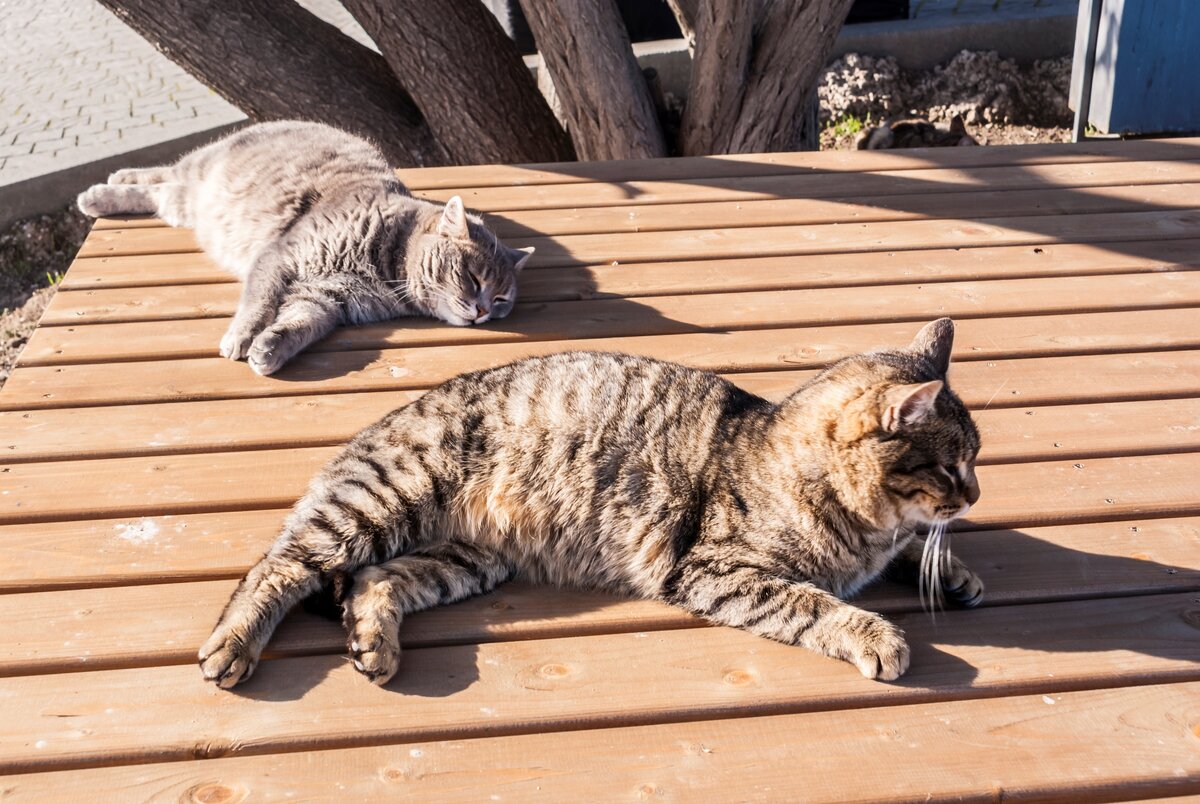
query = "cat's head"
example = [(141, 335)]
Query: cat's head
[(903, 444), (461, 272)]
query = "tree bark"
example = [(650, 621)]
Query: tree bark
[(757, 105), (274, 60), (468, 79), (794, 43), (720, 67), (600, 86)]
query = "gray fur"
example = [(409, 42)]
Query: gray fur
[(637, 477), (321, 232)]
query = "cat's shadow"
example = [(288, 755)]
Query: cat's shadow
[(1135, 604)]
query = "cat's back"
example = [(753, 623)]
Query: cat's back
[(261, 182)]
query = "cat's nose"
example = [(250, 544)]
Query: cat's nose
[(972, 492), (480, 311)]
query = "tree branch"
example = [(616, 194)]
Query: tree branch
[(468, 79), (600, 86), (274, 60)]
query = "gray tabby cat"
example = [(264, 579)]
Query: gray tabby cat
[(321, 232), (638, 477)]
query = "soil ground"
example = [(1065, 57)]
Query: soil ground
[(1002, 103)]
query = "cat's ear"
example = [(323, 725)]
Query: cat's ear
[(958, 125), (454, 220), (908, 404), (521, 256), (935, 341)]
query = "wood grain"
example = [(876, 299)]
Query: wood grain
[(134, 626), (968, 750), (170, 713)]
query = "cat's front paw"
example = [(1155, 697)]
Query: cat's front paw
[(876, 647), (98, 201), (265, 355), (966, 590), (375, 655), (235, 343), (225, 660)]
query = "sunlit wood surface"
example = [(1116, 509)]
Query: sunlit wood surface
[(142, 474)]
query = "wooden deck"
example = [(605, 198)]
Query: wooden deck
[(142, 474)]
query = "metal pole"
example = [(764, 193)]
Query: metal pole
[(1089, 65)]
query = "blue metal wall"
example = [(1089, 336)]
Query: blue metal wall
[(1147, 74)]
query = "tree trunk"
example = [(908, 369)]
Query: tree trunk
[(724, 40), (603, 95), (794, 42), (274, 60), (468, 79), (751, 77)]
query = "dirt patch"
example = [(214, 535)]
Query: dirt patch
[(1002, 102), (34, 254)]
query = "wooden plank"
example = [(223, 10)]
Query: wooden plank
[(899, 186), (173, 309), (969, 750), (169, 713), (1145, 223), (713, 276), (1014, 434), (317, 372), (1027, 494), (624, 171), (135, 626), (811, 164), (1181, 192)]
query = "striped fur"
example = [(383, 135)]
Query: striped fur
[(916, 134), (321, 232), (638, 477)]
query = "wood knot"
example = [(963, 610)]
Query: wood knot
[(394, 775), (649, 791), (214, 793), (1192, 617), (554, 671), (738, 678)]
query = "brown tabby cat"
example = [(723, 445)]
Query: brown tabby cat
[(916, 134), (639, 477)]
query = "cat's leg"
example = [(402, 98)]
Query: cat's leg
[(796, 613), (959, 583), (306, 315), (383, 594), (150, 175), (366, 506), (266, 285)]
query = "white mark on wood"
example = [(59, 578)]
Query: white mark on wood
[(416, 752), (398, 371), (40, 744), (137, 532), (1047, 699)]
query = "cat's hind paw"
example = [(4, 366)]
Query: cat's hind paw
[(104, 200), (225, 661)]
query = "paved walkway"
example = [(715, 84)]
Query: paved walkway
[(78, 86)]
